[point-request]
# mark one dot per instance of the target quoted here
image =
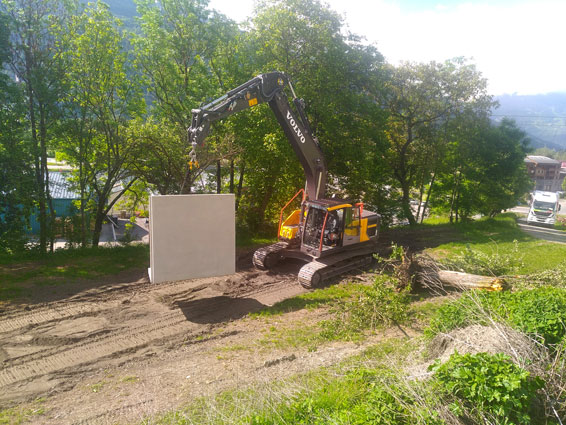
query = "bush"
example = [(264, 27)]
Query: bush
[(487, 388), (540, 313), (376, 306)]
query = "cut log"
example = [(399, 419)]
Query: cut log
[(470, 281)]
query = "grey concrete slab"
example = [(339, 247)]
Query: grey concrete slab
[(191, 236)]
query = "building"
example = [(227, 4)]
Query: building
[(63, 198), (546, 173)]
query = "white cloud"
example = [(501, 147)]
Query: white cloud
[(518, 47)]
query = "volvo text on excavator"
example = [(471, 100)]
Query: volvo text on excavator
[(332, 235)]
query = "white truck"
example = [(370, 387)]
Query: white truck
[(544, 208)]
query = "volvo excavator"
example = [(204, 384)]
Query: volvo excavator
[(331, 235)]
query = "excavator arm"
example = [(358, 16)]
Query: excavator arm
[(267, 88)]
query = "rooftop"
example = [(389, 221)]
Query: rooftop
[(537, 159), (59, 186)]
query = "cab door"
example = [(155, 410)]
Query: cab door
[(352, 226)]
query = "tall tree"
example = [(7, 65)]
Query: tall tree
[(16, 160), (105, 93), (422, 99), (338, 77), (34, 63), (177, 51)]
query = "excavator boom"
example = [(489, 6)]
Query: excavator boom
[(268, 88)]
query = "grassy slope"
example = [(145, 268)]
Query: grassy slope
[(498, 236), (19, 275)]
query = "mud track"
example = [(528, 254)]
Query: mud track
[(47, 350)]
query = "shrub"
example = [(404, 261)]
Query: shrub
[(376, 306), (487, 388), (540, 313)]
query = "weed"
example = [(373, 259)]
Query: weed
[(493, 263), (538, 313), (130, 379), (96, 388), (487, 388), (376, 306)]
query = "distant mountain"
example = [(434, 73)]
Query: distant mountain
[(541, 116), (122, 8)]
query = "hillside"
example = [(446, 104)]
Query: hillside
[(542, 116)]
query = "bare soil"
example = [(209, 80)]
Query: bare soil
[(123, 349)]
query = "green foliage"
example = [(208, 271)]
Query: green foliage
[(424, 120), (16, 159), (478, 262), (540, 313), (555, 276), (485, 387), (362, 396), (376, 306)]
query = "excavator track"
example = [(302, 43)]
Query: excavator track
[(268, 256), (316, 273)]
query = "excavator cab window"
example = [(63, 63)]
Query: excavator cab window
[(352, 225), (313, 227), (333, 228)]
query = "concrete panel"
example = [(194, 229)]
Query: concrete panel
[(191, 236)]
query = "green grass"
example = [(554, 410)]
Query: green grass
[(312, 300), (20, 415), (496, 236), (244, 238), (305, 398), (20, 274)]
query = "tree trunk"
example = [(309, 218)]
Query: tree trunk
[(43, 144), (455, 190), (232, 176), (99, 218), (428, 195), (39, 178), (240, 184), (218, 177), (406, 204), (470, 281)]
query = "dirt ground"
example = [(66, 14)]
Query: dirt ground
[(121, 349), (124, 349)]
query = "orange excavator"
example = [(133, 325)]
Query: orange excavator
[(331, 235)]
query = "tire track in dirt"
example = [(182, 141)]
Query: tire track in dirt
[(50, 313), (184, 315), (90, 351)]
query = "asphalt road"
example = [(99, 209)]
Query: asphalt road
[(542, 232)]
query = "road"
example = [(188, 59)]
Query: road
[(539, 231), (542, 232)]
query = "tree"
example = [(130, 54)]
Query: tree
[(104, 92), (339, 79), (177, 51), (34, 63), (422, 99), (16, 159), (485, 172)]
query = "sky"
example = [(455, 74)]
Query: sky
[(518, 45)]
